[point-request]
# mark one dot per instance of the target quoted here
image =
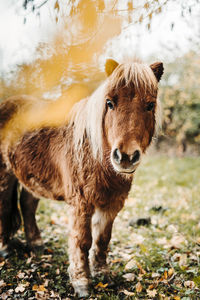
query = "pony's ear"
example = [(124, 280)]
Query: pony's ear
[(158, 69), (110, 65)]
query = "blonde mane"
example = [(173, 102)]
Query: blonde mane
[(87, 115)]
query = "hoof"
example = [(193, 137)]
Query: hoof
[(81, 291), (36, 245), (99, 271), (80, 287)]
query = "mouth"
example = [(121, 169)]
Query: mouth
[(127, 172), (124, 171)]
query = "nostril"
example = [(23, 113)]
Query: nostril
[(117, 155), (135, 157)]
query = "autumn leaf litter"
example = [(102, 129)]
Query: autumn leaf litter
[(158, 259)]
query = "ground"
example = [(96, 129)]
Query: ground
[(155, 246)]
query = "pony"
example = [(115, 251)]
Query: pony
[(88, 161)]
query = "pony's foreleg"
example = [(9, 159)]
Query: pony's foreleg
[(80, 241), (28, 207), (102, 222)]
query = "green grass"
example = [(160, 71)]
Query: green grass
[(163, 256)]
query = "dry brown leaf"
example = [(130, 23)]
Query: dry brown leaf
[(140, 268), (127, 293), (189, 284), (165, 274), (138, 287), (151, 287)]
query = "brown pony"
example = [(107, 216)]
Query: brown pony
[(89, 162)]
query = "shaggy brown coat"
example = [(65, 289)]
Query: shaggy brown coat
[(88, 162)]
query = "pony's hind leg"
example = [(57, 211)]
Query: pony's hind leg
[(28, 207), (102, 222), (9, 214)]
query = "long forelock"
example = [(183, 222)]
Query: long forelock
[(136, 74)]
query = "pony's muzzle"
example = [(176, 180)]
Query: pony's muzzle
[(124, 162)]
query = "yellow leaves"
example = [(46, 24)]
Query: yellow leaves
[(101, 285), (170, 272), (39, 288), (165, 275)]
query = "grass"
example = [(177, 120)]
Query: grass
[(158, 261)]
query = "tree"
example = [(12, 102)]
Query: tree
[(180, 96)]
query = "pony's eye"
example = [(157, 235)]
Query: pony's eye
[(110, 103), (150, 106)]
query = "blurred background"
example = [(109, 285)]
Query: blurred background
[(56, 49)]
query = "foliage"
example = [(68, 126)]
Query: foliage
[(181, 99), (158, 261), (70, 66)]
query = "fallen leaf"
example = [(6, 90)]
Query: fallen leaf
[(20, 288), (151, 293), (177, 241), (114, 261), (130, 265), (154, 275), (165, 274), (170, 272), (39, 288), (2, 283), (140, 268), (129, 276), (101, 285), (21, 275), (138, 287), (2, 264), (189, 284), (127, 293)]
